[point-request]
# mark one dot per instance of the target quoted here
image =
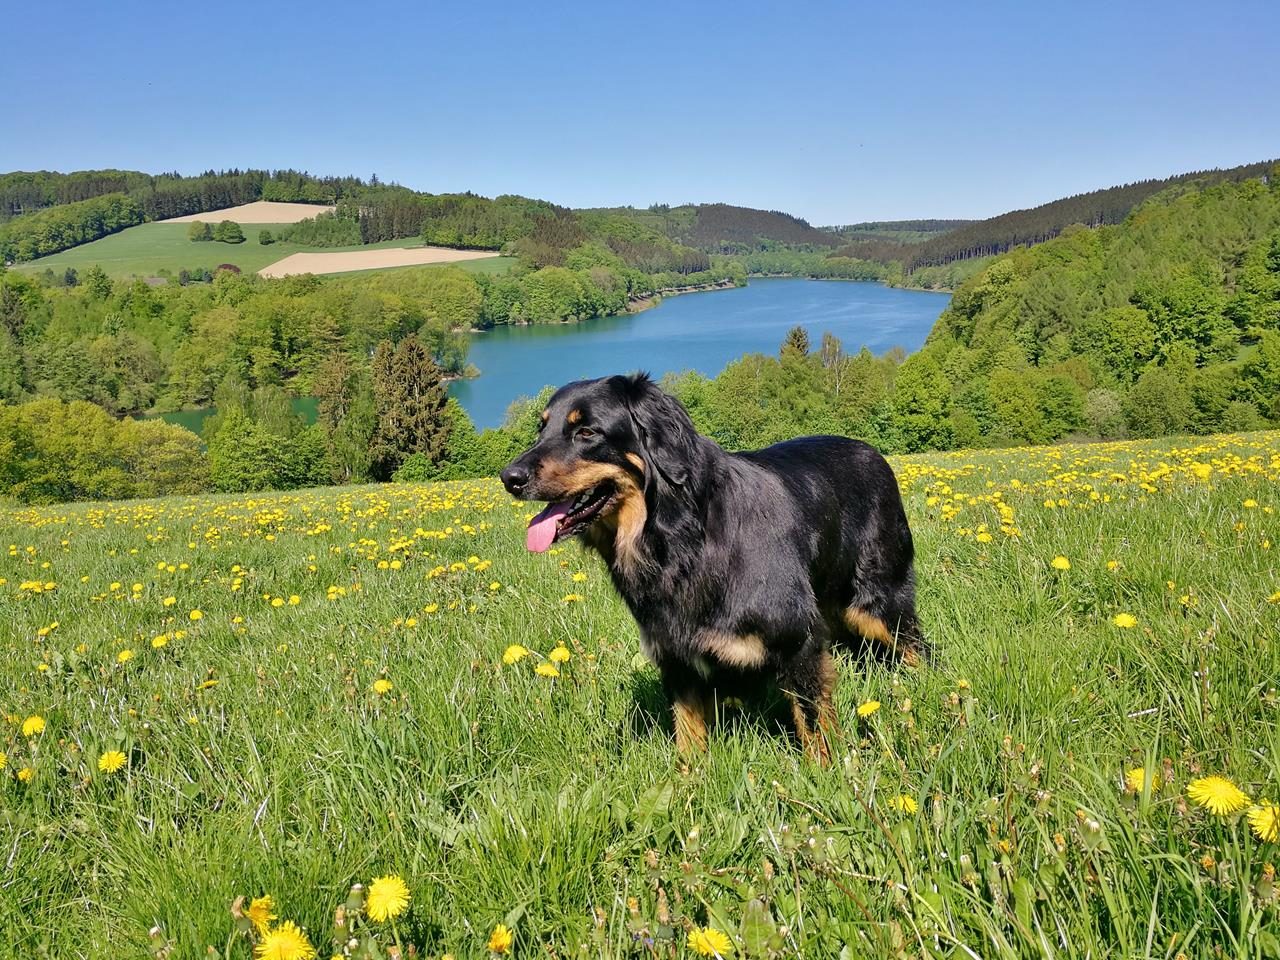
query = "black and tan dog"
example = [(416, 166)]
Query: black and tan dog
[(737, 567)]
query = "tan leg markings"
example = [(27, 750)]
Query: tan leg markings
[(828, 723), (871, 627), (691, 724), (816, 741)]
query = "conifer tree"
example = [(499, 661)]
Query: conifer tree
[(409, 402), (797, 339)]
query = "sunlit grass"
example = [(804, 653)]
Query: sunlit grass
[(308, 690)]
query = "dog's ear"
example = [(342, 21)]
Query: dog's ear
[(668, 438)]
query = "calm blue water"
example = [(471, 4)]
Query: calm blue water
[(695, 331)]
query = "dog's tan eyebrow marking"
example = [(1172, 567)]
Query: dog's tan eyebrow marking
[(546, 415), (575, 416), (635, 459)]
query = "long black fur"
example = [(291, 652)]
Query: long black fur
[(776, 543)]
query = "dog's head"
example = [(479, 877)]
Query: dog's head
[(603, 447)]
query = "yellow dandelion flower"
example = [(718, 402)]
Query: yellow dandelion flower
[(111, 761), (196, 614), (277, 601), (383, 685), (1264, 820), (387, 898), (1250, 504), (259, 913), (1125, 620), (159, 640), (867, 709), (4, 761), (170, 601), (1113, 565), (25, 774), (514, 653), (546, 670), (33, 726), (500, 940), (573, 598), (1274, 598), (1137, 777), (1061, 563), (124, 656), (1218, 795), (560, 654), (285, 942), (904, 804), (709, 942)]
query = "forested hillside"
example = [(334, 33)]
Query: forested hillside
[(1022, 228), (1167, 323), (724, 228)]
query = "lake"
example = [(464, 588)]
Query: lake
[(693, 331)]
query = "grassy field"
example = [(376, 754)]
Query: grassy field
[(287, 694), (147, 249)]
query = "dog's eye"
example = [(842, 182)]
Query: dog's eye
[(584, 433)]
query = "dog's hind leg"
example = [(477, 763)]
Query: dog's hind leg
[(885, 616), (809, 682)]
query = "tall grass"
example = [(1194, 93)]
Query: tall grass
[(980, 811)]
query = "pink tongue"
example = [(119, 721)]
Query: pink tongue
[(542, 528)]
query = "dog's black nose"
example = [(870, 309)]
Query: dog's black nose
[(515, 477)]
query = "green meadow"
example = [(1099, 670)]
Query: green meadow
[(149, 248), (287, 694)]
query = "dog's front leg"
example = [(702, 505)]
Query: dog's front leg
[(691, 704)]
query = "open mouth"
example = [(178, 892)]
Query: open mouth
[(567, 517)]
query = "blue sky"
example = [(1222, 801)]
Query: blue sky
[(834, 112)]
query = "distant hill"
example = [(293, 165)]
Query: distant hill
[(725, 228), (1024, 228), (908, 231)]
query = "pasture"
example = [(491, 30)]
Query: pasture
[(149, 248), (286, 694)]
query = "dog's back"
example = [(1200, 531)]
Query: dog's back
[(858, 543)]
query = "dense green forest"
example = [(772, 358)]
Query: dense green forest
[(1166, 323), (1022, 228), (131, 346)]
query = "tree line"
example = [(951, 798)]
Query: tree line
[(43, 213)]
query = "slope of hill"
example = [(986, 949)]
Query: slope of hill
[(43, 213), (723, 227), (1021, 228), (1171, 318), (242, 696)]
